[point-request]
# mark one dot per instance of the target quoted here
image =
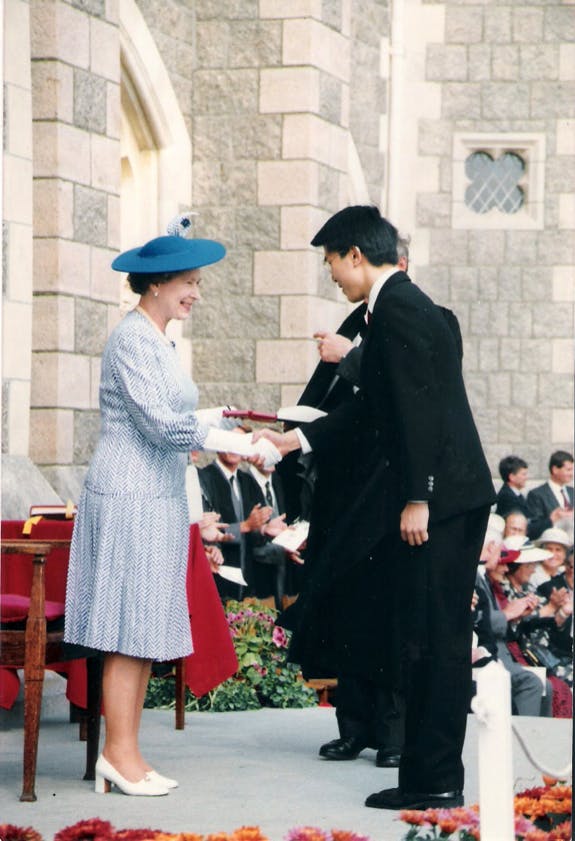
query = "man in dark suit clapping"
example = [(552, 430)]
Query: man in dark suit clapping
[(235, 495)]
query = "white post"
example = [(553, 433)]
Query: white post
[(492, 706)]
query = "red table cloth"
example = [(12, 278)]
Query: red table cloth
[(213, 660)]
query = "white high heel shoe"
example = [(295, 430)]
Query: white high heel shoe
[(161, 780), (107, 774)]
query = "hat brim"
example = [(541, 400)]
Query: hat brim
[(169, 254), (562, 541), (533, 556), (509, 556)]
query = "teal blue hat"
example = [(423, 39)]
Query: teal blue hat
[(169, 254)]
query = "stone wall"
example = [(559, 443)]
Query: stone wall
[(294, 109), (504, 70), (17, 229), (76, 151)]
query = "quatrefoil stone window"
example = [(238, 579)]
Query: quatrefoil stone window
[(498, 180), (494, 182)]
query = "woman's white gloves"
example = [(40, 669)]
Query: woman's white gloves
[(230, 442), (214, 417)]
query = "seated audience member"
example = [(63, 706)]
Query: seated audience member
[(270, 560), (212, 530), (235, 495), (514, 473), (515, 524), (557, 542), (538, 627), (551, 504), (493, 624), (496, 524), (560, 635)]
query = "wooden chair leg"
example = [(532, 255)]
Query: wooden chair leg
[(32, 707), (35, 659), (94, 667), (180, 694)]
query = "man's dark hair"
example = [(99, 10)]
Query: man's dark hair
[(364, 227), (558, 459), (509, 465)]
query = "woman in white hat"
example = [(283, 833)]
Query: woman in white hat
[(537, 632), (556, 541), (126, 595)]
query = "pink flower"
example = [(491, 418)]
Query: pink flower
[(306, 833), (522, 825), (279, 637)]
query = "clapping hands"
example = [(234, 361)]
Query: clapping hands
[(518, 608), (211, 529)]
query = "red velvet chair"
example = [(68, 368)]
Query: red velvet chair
[(31, 635)]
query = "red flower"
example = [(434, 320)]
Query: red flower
[(139, 835), (92, 829), (9, 832)]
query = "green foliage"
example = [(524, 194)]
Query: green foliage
[(161, 693), (264, 677), (233, 695)]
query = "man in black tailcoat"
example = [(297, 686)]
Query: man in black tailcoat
[(390, 596), (367, 715)]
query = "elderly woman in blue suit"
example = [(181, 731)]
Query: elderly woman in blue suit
[(126, 594)]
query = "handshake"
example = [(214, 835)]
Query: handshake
[(264, 447)]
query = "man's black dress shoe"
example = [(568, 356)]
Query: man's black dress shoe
[(339, 749), (387, 759), (394, 798)]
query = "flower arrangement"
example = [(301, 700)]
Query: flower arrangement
[(9, 832), (94, 829), (541, 814), (311, 833), (264, 677)]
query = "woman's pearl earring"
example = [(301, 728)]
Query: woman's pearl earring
[(155, 294)]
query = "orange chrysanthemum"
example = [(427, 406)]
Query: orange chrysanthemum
[(562, 832), (248, 833), (413, 816), (447, 825), (536, 835)]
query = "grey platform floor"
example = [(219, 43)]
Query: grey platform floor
[(235, 769)]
